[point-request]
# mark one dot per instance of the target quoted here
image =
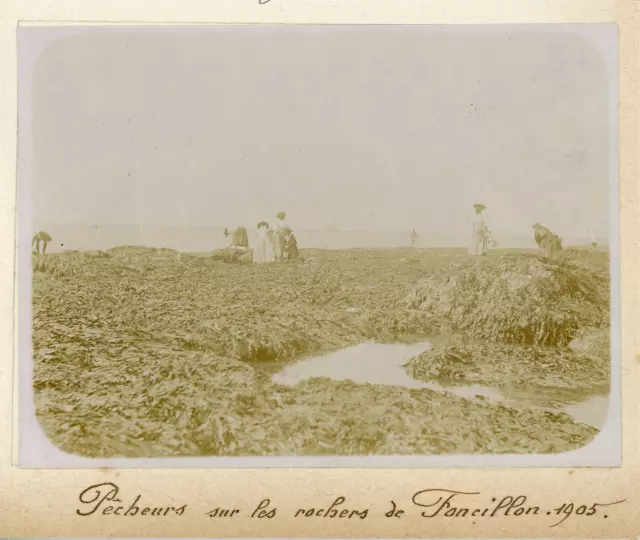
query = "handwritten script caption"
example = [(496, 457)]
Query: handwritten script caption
[(105, 499)]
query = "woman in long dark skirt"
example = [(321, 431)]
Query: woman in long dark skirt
[(291, 246)]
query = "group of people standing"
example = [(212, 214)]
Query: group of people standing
[(273, 244)]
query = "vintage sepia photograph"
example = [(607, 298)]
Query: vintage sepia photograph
[(318, 245)]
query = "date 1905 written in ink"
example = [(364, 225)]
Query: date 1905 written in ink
[(568, 509)]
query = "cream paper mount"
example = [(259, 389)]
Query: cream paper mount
[(322, 279)]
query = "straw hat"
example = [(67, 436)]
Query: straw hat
[(281, 215), (479, 207)]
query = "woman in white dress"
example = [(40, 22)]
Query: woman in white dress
[(479, 232), (263, 252)]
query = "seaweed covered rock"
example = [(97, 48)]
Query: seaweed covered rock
[(140, 250), (233, 255), (220, 407), (517, 299), (593, 342), (501, 364), (142, 342), (97, 253), (65, 264), (247, 258)]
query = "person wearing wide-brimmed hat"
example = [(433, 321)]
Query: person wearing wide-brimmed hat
[(290, 245), (479, 232), (279, 233)]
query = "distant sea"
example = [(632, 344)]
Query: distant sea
[(203, 239)]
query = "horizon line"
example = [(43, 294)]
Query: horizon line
[(304, 229), (367, 248)]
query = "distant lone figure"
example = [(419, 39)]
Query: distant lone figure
[(479, 232), (41, 237), (263, 252), (594, 241), (239, 237), (414, 235), (548, 242)]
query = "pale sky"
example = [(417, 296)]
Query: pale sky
[(363, 128)]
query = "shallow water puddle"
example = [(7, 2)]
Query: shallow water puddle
[(381, 363), (592, 411)]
